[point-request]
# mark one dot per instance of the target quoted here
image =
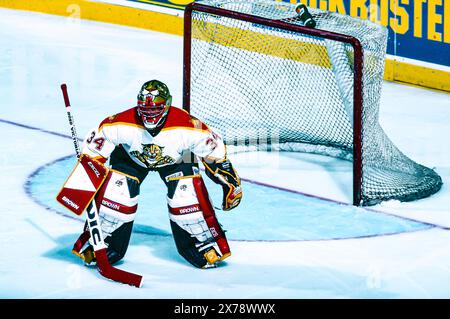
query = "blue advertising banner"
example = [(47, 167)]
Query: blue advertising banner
[(418, 29)]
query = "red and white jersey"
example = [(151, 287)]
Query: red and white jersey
[(180, 133)]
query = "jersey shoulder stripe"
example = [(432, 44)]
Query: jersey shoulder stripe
[(128, 117), (180, 119)]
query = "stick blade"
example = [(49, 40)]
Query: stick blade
[(108, 271)]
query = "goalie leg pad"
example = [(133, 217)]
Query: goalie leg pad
[(197, 233), (186, 246), (116, 202)]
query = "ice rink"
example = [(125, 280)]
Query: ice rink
[(284, 243)]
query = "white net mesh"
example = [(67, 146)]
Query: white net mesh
[(266, 88)]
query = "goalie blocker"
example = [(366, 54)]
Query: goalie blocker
[(80, 188)]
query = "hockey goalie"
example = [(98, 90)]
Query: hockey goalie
[(155, 137)]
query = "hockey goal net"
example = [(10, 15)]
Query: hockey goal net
[(266, 82)]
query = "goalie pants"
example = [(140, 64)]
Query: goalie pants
[(198, 236)]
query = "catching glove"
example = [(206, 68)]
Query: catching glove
[(223, 173)]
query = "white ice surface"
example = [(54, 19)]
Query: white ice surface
[(103, 65)]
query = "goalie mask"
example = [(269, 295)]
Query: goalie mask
[(153, 103)]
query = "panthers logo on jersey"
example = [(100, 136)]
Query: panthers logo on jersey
[(152, 156)]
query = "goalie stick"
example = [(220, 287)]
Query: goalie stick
[(103, 265)]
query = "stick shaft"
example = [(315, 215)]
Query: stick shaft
[(73, 130)]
